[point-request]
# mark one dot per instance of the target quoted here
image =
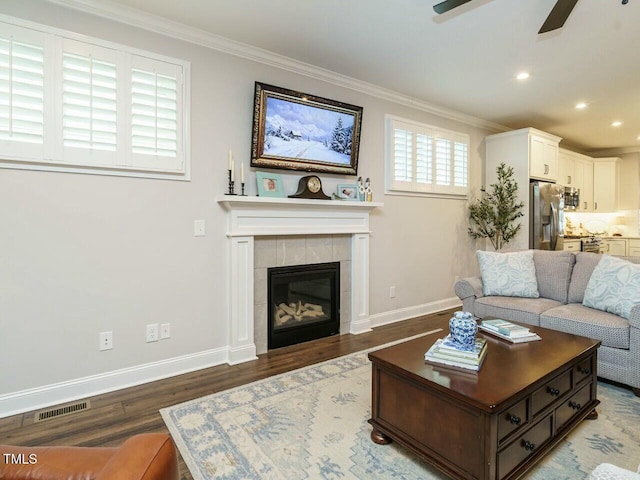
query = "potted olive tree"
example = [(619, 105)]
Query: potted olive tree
[(493, 215)]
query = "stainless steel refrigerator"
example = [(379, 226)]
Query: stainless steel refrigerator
[(546, 216)]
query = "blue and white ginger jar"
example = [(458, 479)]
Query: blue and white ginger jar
[(462, 330)]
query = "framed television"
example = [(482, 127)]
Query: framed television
[(298, 131)]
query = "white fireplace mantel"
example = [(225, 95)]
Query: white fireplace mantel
[(249, 217)]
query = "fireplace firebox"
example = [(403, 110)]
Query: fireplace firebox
[(304, 303)]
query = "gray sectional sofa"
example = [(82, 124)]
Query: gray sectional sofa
[(562, 278)]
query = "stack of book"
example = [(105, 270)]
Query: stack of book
[(444, 352), (508, 331)]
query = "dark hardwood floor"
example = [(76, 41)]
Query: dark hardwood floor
[(116, 416)]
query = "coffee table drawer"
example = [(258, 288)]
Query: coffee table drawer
[(524, 446), (514, 418), (550, 392), (583, 370), (573, 405)]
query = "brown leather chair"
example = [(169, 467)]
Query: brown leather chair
[(150, 456)]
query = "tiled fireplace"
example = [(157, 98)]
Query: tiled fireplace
[(267, 232), (282, 251)]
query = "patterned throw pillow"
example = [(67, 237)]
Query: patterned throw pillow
[(614, 286), (511, 274)]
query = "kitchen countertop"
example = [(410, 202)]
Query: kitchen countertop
[(604, 237)]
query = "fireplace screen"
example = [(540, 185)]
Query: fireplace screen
[(304, 303)]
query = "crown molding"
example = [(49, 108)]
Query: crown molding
[(137, 18), (614, 151)]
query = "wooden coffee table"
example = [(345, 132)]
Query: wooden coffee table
[(494, 424)]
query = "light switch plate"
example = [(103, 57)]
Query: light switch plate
[(198, 228)]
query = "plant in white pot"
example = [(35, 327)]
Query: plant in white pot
[(493, 216)]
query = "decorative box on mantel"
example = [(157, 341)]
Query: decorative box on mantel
[(249, 217)]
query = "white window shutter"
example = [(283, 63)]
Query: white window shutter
[(460, 164), (156, 115), (443, 161), (22, 91), (89, 101)]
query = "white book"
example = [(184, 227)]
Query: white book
[(532, 337)]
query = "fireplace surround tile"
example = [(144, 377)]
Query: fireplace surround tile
[(319, 249), (265, 252), (291, 251)]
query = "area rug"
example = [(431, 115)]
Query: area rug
[(311, 423)]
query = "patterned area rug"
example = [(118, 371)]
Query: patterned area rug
[(311, 423)]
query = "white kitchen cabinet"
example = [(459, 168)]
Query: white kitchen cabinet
[(520, 150), (605, 184), (633, 249), (543, 156), (617, 246), (586, 190), (572, 245), (566, 168)]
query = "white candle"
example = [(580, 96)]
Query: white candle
[(242, 172), (230, 160)]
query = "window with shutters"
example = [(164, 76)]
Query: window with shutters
[(68, 103), (423, 159)]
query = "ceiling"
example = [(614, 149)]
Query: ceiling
[(464, 60)]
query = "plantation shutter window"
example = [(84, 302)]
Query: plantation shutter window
[(403, 155), (156, 90), (22, 91), (73, 103), (89, 104), (423, 159)]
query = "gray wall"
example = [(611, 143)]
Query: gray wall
[(81, 254)]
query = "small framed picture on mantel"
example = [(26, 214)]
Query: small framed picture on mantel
[(269, 184)]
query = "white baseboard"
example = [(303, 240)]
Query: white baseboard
[(63, 392), (393, 316)]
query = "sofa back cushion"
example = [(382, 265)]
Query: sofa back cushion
[(586, 263), (553, 272)]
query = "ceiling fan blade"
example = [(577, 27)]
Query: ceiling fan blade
[(558, 15), (447, 5)]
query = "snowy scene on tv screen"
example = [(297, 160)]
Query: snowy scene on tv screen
[(301, 131)]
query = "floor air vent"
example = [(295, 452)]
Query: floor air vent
[(62, 410)]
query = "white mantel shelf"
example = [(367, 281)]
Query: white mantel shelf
[(249, 217), (294, 216)]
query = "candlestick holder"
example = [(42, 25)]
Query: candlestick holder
[(242, 194), (231, 184)]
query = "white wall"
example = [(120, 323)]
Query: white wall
[(81, 254)]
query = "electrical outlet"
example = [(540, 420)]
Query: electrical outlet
[(106, 340), (392, 292), (152, 332), (165, 331)]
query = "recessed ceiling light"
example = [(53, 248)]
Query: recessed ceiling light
[(522, 75), (617, 123), (581, 105)]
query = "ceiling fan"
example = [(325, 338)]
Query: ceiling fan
[(555, 20)]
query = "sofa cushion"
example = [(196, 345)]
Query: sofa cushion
[(585, 264), (612, 330), (510, 274), (516, 309), (614, 286), (553, 272)]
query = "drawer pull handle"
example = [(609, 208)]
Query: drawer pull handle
[(584, 371), (528, 445), (553, 391), (574, 405), (514, 419)]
